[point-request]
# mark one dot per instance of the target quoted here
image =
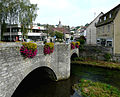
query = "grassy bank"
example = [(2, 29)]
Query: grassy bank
[(105, 64), (87, 88)]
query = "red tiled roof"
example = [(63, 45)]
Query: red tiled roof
[(61, 30)]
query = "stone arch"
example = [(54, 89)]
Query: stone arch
[(50, 73), (74, 52), (73, 56)]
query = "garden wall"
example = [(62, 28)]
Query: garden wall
[(98, 52)]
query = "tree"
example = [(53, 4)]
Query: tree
[(27, 15), (17, 11), (59, 35), (12, 13), (52, 34), (3, 29), (82, 40), (49, 30), (3, 14)]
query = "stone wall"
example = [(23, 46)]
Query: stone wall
[(98, 52), (14, 68), (95, 52)]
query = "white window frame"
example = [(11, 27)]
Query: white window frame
[(104, 18)]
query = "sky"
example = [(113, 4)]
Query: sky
[(71, 12)]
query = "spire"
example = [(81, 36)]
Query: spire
[(59, 25)]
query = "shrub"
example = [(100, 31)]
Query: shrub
[(28, 50), (82, 48), (82, 41), (96, 89), (59, 35), (48, 48), (78, 59), (82, 38), (107, 56), (71, 38)]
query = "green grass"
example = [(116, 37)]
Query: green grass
[(105, 64), (87, 88)]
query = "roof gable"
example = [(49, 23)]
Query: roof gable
[(96, 18), (106, 19)]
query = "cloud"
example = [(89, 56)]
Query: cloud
[(71, 12), (52, 4)]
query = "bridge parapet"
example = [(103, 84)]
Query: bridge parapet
[(14, 68)]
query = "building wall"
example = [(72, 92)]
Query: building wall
[(117, 34), (91, 32), (105, 34)]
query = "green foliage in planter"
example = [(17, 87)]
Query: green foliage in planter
[(107, 56), (48, 48), (51, 45), (28, 50), (73, 43), (30, 45), (78, 43), (88, 88)]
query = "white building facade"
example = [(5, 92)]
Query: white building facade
[(91, 31), (36, 33)]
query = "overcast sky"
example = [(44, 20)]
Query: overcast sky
[(71, 12)]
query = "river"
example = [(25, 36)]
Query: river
[(35, 86)]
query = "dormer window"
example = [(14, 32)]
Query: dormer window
[(110, 16), (105, 18)]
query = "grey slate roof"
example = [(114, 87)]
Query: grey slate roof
[(108, 20)]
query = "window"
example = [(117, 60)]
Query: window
[(109, 43), (100, 20), (14, 30), (110, 16), (98, 41), (108, 28), (105, 18)]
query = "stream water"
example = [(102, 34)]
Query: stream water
[(34, 86)]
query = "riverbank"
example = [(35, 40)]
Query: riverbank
[(88, 88), (103, 64)]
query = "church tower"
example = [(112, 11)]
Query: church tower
[(59, 25)]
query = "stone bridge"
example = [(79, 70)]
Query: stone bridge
[(14, 68)]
